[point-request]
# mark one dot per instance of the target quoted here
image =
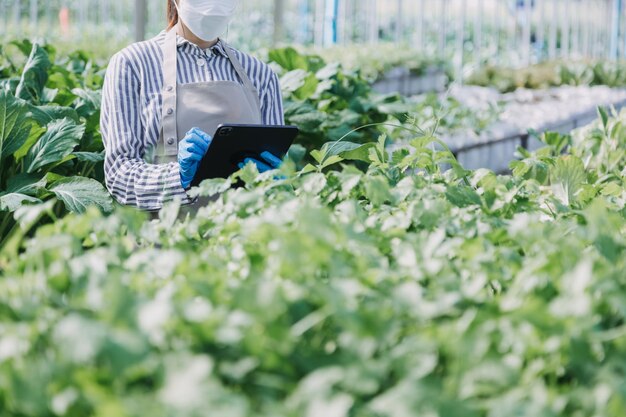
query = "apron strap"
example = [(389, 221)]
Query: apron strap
[(238, 68), (169, 92), (170, 64)]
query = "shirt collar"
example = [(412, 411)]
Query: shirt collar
[(218, 49)]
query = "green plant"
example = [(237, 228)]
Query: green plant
[(327, 102), (393, 290), (50, 147), (551, 74), (374, 61)]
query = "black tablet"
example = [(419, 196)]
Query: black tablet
[(233, 143)]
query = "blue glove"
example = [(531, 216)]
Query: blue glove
[(270, 162), (191, 150)]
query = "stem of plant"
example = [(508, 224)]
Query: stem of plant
[(6, 221)]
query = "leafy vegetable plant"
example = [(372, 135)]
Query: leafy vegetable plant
[(551, 74), (394, 290), (50, 147)]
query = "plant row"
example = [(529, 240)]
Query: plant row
[(389, 288), (51, 149)]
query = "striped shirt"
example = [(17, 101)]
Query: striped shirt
[(131, 113)]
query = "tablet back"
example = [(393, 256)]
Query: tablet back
[(233, 143)]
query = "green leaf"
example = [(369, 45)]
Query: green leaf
[(24, 45), (34, 76), (362, 153), (308, 122), (33, 136), (56, 144), (93, 157), (331, 160), (211, 187), (556, 141), (46, 114), (318, 155), (531, 168), (289, 59), (248, 174), (296, 153), (78, 193), (308, 169), (28, 184), (337, 147), (28, 215), (612, 189), (12, 201), (398, 157), (300, 83), (349, 150), (327, 72), (519, 168), (604, 117), (377, 190), (567, 178), (13, 127), (88, 101), (463, 196)]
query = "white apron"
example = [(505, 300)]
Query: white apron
[(204, 105)]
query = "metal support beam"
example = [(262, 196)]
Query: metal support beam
[(331, 14), (460, 42), (34, 14), (526, 31), (141, 13), (372, 21), (279, 22), (615, 27), (399, 21)]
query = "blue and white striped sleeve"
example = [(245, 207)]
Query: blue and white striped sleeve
[(272, 101), (129, 178)]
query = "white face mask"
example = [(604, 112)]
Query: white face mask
[(207, 19)]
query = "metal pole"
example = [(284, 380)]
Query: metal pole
[(443, 28), (399, 22), (373, 21), (541, 35), (576, 37), (567, 31), (418, 42), (342, 21), (615, 27), (460, 42), (319, 22), (496, 32), (17, 14), (3, 13), (34, 14), (623, 42), (478, 31), (586, 32), (335, 21), (279, 21), (140, 20), (330, 22), (526, 32), (553, 31)]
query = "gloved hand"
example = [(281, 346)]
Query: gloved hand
[(270, 162), (191, 150)]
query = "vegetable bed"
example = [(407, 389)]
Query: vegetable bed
[(367, 283), (393, 290), (51, 150)]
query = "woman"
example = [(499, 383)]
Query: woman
[(164, 97)]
